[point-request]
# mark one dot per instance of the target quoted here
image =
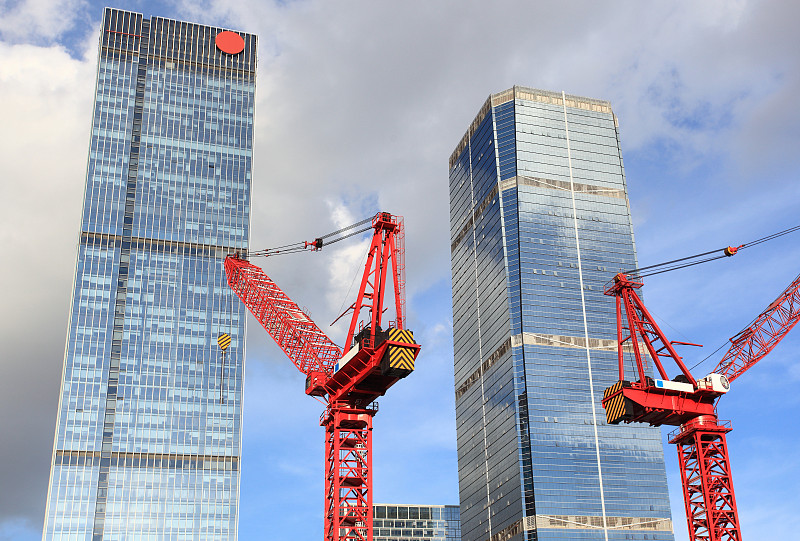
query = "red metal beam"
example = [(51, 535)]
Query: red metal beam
[(659, 406), (641, 327), (752, 344), (361, 379), (702, 448), (298, 336), (706, 477), (348, 473), (383, 357), (384, 250)]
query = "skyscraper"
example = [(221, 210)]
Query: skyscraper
[(147, 441), (539, 222)]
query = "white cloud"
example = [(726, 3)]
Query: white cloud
[(36, 20), (46, 111), (45, 104)]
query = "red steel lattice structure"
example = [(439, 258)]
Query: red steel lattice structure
[(706, 478), (351, 379), (688, 403), (758, 339), (298, 336), (348, 494)]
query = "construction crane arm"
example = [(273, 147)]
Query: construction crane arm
[(753, 343), (298, 336)]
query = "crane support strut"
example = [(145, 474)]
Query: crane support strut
[(348, 475), (686, 402)]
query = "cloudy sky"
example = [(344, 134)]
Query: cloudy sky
[(359, 106)]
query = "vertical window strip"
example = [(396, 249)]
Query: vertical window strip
[(480, 343), (585, 323)]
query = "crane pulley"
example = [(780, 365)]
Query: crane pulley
[(375, 356)]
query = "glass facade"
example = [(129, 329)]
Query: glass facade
[(147, 439), (540, 223), (416, 522)]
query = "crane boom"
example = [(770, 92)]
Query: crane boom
[(298, 336), (769, 328)]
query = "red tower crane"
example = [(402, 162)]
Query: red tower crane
[(349, 379), (689, 403)]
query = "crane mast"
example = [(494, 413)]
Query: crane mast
[(350, 379), (689, 403)]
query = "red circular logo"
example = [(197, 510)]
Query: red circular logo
[(229, 42)]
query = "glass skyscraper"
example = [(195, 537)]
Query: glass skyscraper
[(540, 222), (147, 440), (416, 522)]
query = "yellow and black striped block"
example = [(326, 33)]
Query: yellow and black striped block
[(401, 335), (618, 408), (224, 341), (398, 361)]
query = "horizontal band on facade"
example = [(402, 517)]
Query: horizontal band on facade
[(483, 368), (187, 248), (582, 522), (216, 148), (514, 182), (528, 94), (146, 460), (575, 342), (562, 341), (473, 218), (549, 97), (538, 339), (106, 50), (577, 187)]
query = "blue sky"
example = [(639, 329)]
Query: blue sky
[(361, 104)]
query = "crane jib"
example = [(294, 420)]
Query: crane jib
[(293, 330), (767, 330)]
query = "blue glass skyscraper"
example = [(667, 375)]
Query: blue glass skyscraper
[(540, 222), (147, 441)]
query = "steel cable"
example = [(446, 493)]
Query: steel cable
[(725, 252), (770, 237), (303, 245), (638, 273)]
